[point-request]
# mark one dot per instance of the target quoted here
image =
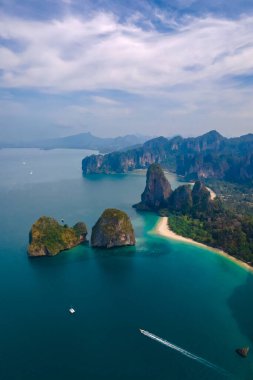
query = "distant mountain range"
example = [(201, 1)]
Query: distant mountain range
[(208, 156), (83, 141)]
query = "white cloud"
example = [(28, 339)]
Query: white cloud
[(185, 72), (101, 53), (105, 101)]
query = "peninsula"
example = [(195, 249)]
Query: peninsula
[(195, 215)]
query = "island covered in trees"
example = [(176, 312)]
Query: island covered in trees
[(48, 237)]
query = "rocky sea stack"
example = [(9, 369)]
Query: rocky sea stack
[(243, 352), (157, 190), (113, 229), (47, 237)]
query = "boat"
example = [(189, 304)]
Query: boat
[(144, 332), (71, 310)]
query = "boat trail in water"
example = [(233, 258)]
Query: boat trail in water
[(184, 352)]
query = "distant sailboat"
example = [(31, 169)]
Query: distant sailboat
[(71, 310)]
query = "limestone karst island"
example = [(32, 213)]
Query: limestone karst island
[(48, 238), (113, 229)]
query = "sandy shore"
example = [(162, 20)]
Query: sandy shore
[(212, 193), (162, 229)]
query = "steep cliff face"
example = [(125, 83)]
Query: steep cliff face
[(93, 165), (201, 166), (47, 237), (207, 156), (181, 199), (155, 150), (157, 190), (200, 196), (210, 141), (113, 229)]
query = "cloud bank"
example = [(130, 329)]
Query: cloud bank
[(75, 54), (183, 70)]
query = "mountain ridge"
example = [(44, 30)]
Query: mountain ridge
[(210, 155), (82, 141)]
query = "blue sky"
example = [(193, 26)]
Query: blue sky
[(115, 67)]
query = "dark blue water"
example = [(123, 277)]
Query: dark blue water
[(187, 295)]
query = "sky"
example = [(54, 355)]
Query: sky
[(114, 67)]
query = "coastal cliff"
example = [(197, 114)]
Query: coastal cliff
[(113, 229), (181, 199), (208, 156), (155, 150), (47, 237), (195, 215), (157, 190)]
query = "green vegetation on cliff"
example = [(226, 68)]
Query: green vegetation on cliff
[(208, 156), (113, 229), (193, 214), (47, 237), (212, 223)]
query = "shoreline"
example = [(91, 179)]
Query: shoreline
[(162, 229), (212, 193)]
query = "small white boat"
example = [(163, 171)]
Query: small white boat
[(71, 310)]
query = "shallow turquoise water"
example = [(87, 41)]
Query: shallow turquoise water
[(185, 294)]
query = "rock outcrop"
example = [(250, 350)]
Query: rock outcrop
[(157, 190), (200, 197), (93, 165), (158, 196), (181, 200), (242, 351), (208, 156), (113, 229), (47, 237), (155, 150)]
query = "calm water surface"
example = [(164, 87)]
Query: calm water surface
[(185, 294)]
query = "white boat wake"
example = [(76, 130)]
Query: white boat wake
[(184, 352)]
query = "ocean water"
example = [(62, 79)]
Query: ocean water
[(184, 294)]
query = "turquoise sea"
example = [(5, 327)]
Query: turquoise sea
[(185, 294)]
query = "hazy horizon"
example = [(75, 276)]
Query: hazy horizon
[(178, 67)]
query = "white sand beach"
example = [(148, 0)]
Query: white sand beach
[(162, 229), (212, 193)]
